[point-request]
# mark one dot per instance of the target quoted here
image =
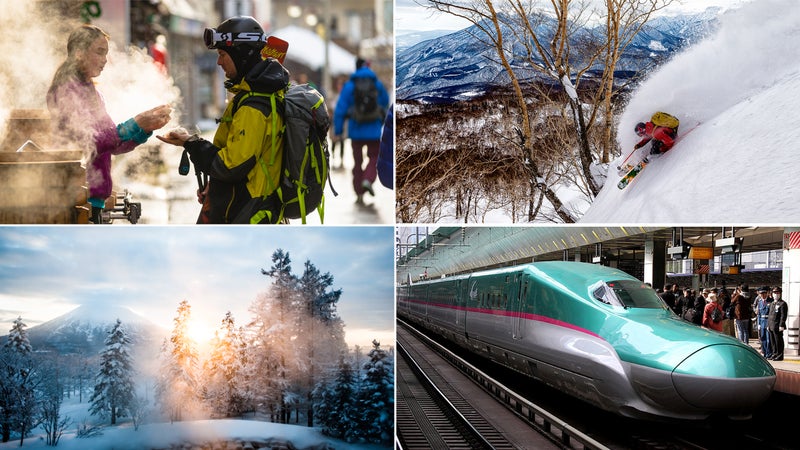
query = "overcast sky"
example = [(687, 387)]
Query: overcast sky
[(47, 271), (409, 16)]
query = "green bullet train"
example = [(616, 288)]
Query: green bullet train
[(595, 333)]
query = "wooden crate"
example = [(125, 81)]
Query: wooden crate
[(40, 187)]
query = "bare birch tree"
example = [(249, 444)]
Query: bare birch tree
[(564, 57)]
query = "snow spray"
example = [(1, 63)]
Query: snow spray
[(754, 47)]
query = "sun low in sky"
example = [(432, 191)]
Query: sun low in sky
[(48, 271)]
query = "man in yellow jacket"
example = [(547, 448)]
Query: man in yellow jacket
[(244, 159)]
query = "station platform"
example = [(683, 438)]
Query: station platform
[(788, 371)]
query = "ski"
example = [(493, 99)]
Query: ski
[(636, 170)]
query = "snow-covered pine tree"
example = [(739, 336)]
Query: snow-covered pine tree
[(336, 410), (222, 371), (320, 331), (376, 397), (275, 332), (176, 389), (17, 399), (17, 339), (114, 387)]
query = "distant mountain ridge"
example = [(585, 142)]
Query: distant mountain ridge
[(84, 329), (459, 65)]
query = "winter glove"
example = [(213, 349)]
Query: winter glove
[(201, 152), (131, 131)]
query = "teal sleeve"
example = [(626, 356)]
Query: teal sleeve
[(131, 131)]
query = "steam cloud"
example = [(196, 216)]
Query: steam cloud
[(35, 43)]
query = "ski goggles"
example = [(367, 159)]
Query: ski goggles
[(214, 39)]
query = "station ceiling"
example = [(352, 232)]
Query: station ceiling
[(452, 250)]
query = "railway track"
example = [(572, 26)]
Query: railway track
[(529, 426), (426, 418), (615, 432)]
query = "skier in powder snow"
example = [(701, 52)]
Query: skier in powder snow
[(663, 138)]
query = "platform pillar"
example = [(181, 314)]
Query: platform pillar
[(655, 262), (791, 289)]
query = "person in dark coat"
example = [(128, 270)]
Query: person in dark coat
[(386, 154), (742, 312), (776, 323)]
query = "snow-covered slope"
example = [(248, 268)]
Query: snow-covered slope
[(456, 66), (738, 93)]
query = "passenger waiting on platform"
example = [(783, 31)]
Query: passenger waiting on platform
[(712, 314), (742, 312), (694, 312), (668, 296), (761, 307), (776, 323), (725, 302), (704, 296), (684, 302), (680, 301)]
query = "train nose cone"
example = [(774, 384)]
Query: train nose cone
[(724, 377)]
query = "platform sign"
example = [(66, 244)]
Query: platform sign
[(701, 253)]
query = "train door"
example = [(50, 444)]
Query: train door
[(518, 307), (469, 293), (461, 304)]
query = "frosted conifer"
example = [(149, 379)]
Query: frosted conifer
[(114, 388)]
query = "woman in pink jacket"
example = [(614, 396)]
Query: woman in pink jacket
[(79, 117)]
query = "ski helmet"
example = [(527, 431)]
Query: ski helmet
[(640, 128), (242, 38)]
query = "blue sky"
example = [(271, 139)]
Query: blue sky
[(409, 16), (46, 271)]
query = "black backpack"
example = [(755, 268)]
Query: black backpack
[(716, 314), (365, 107), (305, 157)]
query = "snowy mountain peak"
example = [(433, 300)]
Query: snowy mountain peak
[(103, 315), (85, 328), (455, 66)]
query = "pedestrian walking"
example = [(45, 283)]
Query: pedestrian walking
[(362, 103)]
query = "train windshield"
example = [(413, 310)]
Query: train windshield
[(627, 293)]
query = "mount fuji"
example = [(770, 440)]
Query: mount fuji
[(84, 329)]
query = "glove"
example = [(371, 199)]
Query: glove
[(201, 152)]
